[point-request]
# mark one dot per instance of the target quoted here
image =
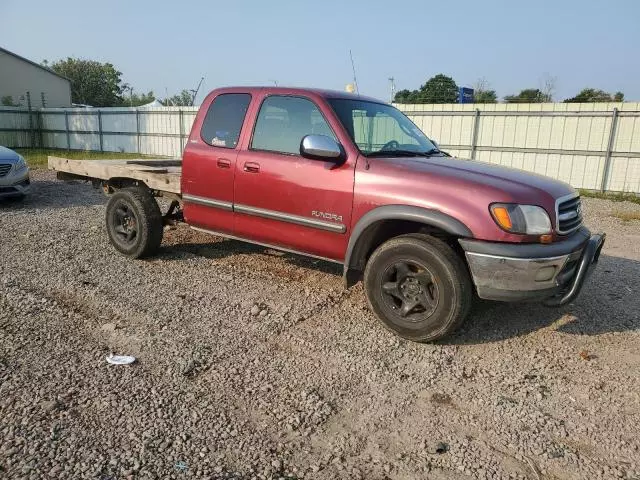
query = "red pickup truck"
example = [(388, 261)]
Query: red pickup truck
[(352, 180)]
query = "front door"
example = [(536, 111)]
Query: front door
[(209, 163), (284, 199)]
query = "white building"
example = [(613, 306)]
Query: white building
[(19, 76)]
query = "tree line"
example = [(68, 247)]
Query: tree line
[(443, 89), (100, 85)]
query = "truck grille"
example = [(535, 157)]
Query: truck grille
[(4, 169), (569, 213)]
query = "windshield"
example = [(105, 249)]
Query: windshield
[(378, 129)]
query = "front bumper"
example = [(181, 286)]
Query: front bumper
[(553, 273), (15, 185)]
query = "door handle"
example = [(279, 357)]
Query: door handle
[(224, 163), (252, 167)]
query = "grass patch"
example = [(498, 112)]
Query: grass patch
[(615, 197), (627, 216), (37, 157)]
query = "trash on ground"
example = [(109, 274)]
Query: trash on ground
[(120, 359)]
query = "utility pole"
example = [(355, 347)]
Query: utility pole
[(392, 82)]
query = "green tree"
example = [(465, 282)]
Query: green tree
[(438, 89), (137, 99), (485, 96), (404, 96), (482, 92), (593, 95), (182, 99), (528, 95), (92, 83), (7, 101)]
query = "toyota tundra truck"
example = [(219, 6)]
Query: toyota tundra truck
[(350, 179)]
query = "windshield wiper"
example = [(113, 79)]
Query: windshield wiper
[(433, 151), (404, 153)]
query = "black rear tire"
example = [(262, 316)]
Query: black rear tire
[(418, 287), (134, 222)]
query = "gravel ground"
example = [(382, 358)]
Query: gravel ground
[(257, 364)]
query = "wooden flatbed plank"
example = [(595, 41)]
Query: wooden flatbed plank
[(165, 179)]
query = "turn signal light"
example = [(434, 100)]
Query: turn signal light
[(502, 217), (546, 238)]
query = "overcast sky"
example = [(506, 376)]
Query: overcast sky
[(167, 46)]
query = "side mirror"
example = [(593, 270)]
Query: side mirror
[(320, 147)]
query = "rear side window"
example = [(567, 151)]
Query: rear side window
[(224, 119), (283, 122)]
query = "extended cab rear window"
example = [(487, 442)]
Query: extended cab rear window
[(224, 119)]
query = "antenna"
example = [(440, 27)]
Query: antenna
[(392, 82), (195, 92), (353, 67)]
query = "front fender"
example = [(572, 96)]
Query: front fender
[(365, 229)]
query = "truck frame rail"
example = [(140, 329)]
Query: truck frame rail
[(157, 174)]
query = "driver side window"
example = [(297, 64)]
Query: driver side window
[(284, 120)]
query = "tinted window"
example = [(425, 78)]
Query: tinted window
[(283, 122), (224, 119)]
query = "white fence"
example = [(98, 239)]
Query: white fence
[(589, 145), (592, 145), (150, 131)]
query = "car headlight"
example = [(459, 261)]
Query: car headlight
[(20, 164), (525, 219)]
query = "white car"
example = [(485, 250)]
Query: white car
[(14, 174)]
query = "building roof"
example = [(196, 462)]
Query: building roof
[(34, 64)]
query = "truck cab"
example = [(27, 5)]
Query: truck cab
[(243, 173)]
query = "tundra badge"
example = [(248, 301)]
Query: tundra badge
[(327, 216)]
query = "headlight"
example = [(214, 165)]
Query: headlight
[(525, 219), (20, 164)]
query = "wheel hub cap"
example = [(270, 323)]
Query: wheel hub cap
[(125, 224), (410, 287), (410, 290)]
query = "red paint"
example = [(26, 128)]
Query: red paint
[(298, 186)]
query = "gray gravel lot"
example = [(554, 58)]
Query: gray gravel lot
[(257, 364)]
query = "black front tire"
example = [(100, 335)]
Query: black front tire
[(418, 287), (134, 222)]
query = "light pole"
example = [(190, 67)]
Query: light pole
[(130, 89)]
